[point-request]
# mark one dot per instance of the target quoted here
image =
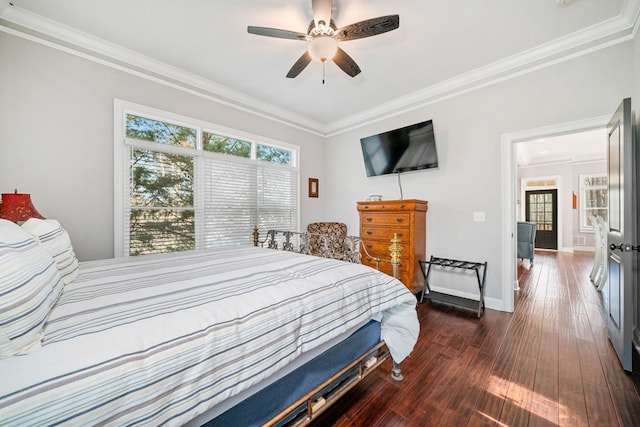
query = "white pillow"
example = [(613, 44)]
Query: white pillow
[(56, 241), (29, 286)]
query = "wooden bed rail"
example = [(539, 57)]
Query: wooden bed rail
[(353, 246), (316, 402)]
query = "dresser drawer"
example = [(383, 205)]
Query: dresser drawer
[(386, 233), (394, 219)]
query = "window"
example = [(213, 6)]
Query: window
[(594, 195), (540, 206), (182, 184)]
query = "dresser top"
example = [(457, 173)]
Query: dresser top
[(384, 205)]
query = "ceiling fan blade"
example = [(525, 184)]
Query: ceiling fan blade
[(274, 32), (369, 27), (321, 11), (346, 63), (300, 65)]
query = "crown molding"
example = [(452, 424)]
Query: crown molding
[(39, 29), (36, 28), (599, 36)]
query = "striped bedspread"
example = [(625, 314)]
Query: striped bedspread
[(158, 340)]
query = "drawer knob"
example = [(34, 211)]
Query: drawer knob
[(400, 219), (369, 219), (369, 232), (401, 206)]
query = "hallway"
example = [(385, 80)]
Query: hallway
[(548, 363)]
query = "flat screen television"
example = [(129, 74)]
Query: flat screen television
[(405, 149)]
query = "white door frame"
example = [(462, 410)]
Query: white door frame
[(509, 274)]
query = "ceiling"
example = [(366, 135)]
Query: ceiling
[(442, 48), (573, 148)]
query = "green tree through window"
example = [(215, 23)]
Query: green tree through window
[(172, 169)]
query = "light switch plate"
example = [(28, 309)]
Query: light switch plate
[(478, 217)]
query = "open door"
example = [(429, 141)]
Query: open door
[(622, 238)]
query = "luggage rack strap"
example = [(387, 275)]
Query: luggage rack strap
[(447, 262)]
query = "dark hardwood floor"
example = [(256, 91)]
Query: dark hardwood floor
[(549, 363)]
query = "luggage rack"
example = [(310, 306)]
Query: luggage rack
[(453, 300)]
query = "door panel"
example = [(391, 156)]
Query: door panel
[(621, 236), (541, 207)]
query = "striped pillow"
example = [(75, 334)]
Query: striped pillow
[(29, 286), (56, 241)]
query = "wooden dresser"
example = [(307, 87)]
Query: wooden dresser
[(408, 218)]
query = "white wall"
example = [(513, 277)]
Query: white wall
[(56, 136), (468, 132)]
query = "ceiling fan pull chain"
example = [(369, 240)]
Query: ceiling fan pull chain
[(323, 65)]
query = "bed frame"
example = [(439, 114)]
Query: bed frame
[(294, 241), (315, 400)]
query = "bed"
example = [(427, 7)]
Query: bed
[(181, 338)]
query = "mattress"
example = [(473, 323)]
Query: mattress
[(263, 405), (159, 340)]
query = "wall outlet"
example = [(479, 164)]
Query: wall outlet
[(478, 217)]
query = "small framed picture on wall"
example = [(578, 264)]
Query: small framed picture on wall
[(313, 187)]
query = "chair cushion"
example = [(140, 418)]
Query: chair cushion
[(335, 232)]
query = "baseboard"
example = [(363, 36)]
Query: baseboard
[(584, 248), (494, 304)]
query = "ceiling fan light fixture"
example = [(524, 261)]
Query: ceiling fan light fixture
[(323, 48)]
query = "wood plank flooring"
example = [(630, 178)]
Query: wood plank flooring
[(547, 364)]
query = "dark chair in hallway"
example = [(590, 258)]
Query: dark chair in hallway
[(526, 236)]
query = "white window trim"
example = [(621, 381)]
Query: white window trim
[(121, 108), (582, 215)]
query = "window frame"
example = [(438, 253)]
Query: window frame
[(584, 228), (121, 158)]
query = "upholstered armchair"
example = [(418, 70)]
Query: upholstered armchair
[(526, 236), (335, 233)]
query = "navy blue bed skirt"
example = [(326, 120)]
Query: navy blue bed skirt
[(270, 401)]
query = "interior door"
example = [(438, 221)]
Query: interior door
[(541, 207), (622, 252)]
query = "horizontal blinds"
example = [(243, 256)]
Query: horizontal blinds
[(229, 202), (277, 199), (231, 198)]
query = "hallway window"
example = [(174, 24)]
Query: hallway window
[(594, 200)]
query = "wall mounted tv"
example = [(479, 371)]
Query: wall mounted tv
[(401, 150)]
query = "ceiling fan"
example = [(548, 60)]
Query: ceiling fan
[(323, 38)]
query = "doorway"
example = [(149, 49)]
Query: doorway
[(509, 191), (541, 207)]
